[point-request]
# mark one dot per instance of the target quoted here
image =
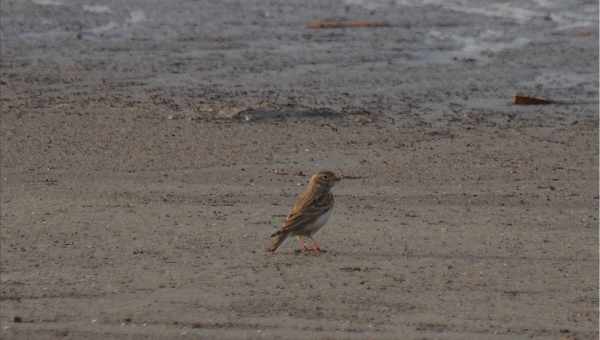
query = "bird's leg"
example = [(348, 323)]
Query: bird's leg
[(315, 245), (302, 245)]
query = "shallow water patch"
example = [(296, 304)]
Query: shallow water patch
[(96, 9)]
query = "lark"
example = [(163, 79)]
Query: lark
[(310, 212)]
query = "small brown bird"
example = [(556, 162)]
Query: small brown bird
[(310, 212)]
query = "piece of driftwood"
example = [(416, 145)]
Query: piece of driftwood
[(526, 100)]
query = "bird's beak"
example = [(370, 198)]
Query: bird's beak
[(337, 178)]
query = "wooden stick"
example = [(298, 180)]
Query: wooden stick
[(526, 100)]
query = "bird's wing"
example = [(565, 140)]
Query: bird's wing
[(306, 212)]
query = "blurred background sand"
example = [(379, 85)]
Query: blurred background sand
[(149, 148)]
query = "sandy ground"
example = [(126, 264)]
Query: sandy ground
[(149, 150)]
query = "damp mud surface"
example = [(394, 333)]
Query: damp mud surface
[(149, 148)]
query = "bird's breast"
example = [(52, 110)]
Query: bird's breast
[(320, 221)]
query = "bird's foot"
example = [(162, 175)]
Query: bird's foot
[(312, 250), (315, 246)]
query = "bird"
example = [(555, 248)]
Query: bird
[(309, 213)]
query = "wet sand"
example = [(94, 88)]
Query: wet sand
[(147, 157)]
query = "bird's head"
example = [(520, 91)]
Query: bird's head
[(325, 179)]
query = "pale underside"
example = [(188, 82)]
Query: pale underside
[(311, 228)]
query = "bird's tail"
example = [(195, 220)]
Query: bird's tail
[(276, 240)]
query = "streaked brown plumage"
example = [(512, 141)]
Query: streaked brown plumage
[(310, 212)]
